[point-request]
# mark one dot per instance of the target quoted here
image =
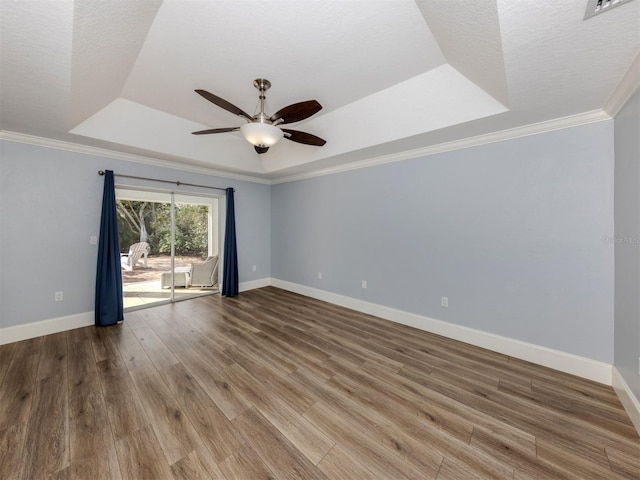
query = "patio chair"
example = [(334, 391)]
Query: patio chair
[(205, 274), (181, 278), (137, 254)]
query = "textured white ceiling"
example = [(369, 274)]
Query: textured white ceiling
[(391, 74)]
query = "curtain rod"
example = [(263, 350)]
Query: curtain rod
[(177, 183)]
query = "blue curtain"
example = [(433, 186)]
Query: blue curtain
[(230, 274), (109, 277)]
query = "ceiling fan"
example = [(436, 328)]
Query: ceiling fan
[(262, 130)]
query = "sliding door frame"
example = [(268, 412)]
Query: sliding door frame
[(217, 209)]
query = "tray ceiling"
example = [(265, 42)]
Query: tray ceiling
[(391, 75)]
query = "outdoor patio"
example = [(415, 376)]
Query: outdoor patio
[(141, 286)]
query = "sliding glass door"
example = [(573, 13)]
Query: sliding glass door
[(169, 246)]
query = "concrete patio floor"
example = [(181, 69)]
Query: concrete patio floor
[(141, 286)]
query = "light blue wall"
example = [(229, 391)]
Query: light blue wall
[(513, 233), (627, 247), (50, 203)]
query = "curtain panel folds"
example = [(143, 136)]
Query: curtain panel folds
[(230, 274), (108, 307)]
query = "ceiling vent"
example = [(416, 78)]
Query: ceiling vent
[(596, 7)]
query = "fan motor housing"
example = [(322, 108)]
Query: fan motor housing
[(262, 84)]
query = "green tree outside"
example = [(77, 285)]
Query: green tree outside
[(153, 220)]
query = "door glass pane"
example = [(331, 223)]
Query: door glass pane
[(196, 246), (144, 228)]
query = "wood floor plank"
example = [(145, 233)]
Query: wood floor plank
[(94, 468), (337, 465), (573, 424), (246, 464), (6, 353), (295, 339), (274, 385), (625, 464), (215, 383), (46, 446), (369, 448), (361, 346), (169, 336), (19, 383), (11, 445), (450, 470), (213, 427), (338, 346), (274, 449), (531, 418), (303, 434), (16, 398), (245, 342), (214, 352), (155, 348), (568, 405), (524, 460), (53, 359), (190, 468), (140, 456), (124, 408), (202, 455), (574, 461), (132, 353), (79, 335), (174, 431), (552, 393), (397, 400), (81, 362), (581, 386), (293, 359), (512, 436), (289, 391), (91, 445), (411, 434), (104, 343)]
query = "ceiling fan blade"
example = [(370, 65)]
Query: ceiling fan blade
[(296, 112), (303, 137), (222, 103), (261, 149), (216, 130)]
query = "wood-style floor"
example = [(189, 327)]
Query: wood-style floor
[(272, 385)]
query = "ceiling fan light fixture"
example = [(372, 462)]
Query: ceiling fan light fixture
[(262, 130), (261, 134)]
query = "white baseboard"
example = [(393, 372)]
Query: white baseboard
[(583, 367), (565, 362), (629, 401), (17, 333), (261, 282)]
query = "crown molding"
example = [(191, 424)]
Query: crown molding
[(103, 152), (524, 131), (622, 93)]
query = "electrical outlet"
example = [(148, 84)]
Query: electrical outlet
[(364, 284), (319, 275), (58, 297), (444, 301), (254, 268), (638, 365), (93, 240)]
